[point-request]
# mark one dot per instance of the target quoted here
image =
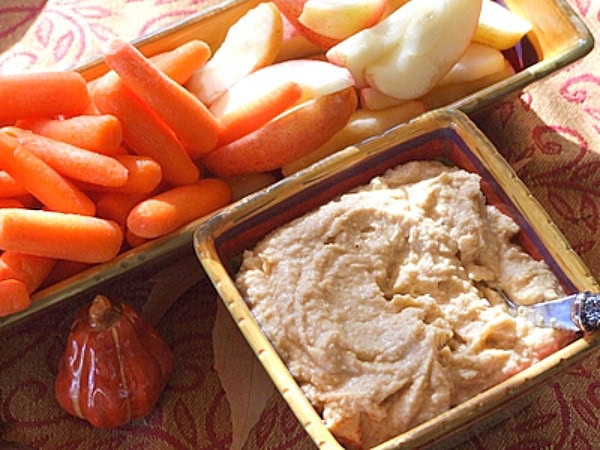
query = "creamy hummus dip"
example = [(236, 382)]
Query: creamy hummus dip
[(373, 300)]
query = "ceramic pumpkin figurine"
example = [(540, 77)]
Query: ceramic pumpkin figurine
[(115, 366)]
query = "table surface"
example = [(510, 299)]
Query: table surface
[(550, 132)]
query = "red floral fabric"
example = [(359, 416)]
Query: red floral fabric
[(550, 132)]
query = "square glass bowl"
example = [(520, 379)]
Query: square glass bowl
[(442, 135), (558, 38)]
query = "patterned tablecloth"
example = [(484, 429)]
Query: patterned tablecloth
[(553, 125)]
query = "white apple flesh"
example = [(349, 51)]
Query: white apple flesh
[(408, 52)]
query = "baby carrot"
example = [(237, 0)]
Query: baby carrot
[(41, 180), (28, 201), (59, 235), (10, 203), (9, 187), (134, 240), (100, 133), (45, 94), (188, 117), (180, 63), (31, 270), (143, 132), (71, 161), (117, 206), (237, 123), (145, 175), (14, 297), (169, 210)]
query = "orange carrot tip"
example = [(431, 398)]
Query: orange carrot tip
[(31, 270), (188, 117), (41, 180), (43, 94), (117, 206), (59, 235), (180, 63), (144, 176), (134, 240), (100, 133), (71, 161), (14, 297), (9, 187), (169, 210)]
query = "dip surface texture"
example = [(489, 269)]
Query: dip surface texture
[(371, 300)]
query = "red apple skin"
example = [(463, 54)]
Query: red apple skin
[(292, 9), (285, 138)]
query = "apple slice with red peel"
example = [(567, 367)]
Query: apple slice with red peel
[(292, 9), (362, 124), (286, 137), (250, 43), (315, 78), (242, 121), (408, 52), (339, 19)]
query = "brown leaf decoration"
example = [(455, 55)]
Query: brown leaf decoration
[(246, 384)]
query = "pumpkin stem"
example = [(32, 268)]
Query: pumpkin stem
[(103, 313)]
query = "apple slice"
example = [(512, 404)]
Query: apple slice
[(499, 27), (444, 95), (292, 9), (408, 52), (250, 43), (285, 138), (392, 6), (315, 78), (478, 61), (295, 45), (242, 121), (362, 124), (339, 19), (371, 98)]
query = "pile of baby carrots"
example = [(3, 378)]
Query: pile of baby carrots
[(91, 169)]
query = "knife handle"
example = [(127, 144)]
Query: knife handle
[(586, 312)]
